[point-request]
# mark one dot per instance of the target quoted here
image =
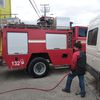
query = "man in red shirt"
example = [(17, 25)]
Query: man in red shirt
[(76, 72)]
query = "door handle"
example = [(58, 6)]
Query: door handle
[(64, 55)]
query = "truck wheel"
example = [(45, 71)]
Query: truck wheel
[(38, 67)]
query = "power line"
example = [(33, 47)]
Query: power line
[(34, 8), (45, 9)]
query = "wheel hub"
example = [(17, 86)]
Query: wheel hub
[(39, 68)]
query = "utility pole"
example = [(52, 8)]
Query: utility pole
[(45, 9)]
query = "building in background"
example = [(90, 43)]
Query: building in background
[(5, 13), (5, 9)]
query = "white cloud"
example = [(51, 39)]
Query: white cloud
[(80, 11)]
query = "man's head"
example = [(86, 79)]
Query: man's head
[(77, 46)]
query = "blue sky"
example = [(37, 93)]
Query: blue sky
[(81, 12)]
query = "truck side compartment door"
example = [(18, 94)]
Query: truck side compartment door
[(56, 44)]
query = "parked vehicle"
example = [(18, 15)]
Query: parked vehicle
[(35, 49), (93, 47)]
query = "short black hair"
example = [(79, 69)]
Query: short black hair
[(78, 45)]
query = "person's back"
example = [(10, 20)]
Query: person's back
[(81, 63)]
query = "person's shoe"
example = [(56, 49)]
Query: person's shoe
[(77, 93), (82, 95), (65, 90)]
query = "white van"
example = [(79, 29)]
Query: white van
[(93, 47)]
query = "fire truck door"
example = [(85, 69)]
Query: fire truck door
[(57, 46)]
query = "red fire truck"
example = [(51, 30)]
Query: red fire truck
[(36, 49)]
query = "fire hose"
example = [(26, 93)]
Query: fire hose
[(39, 89)]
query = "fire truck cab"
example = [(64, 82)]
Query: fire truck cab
[(79, 34)]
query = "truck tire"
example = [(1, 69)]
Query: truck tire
[(38, 67)]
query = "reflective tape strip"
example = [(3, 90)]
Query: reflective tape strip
[(36, 41)]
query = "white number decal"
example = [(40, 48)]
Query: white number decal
[(17, 63)]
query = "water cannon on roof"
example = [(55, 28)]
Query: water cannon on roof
[(54, 23)]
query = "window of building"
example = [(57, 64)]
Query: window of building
[(2, 3), (92, 37)]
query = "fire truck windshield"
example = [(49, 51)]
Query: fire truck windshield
[(82, 32)]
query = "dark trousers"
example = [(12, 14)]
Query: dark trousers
[(81, 82)]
